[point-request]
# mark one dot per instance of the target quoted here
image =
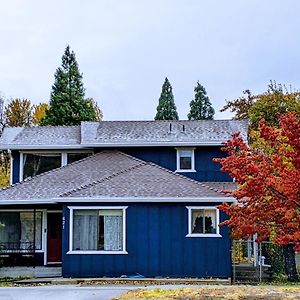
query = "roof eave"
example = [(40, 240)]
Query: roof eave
[(118, 199), (144, 199), (40, 147)]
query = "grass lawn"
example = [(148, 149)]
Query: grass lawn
[(217, 292)]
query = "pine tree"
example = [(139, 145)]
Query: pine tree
[(201, 108), (166, 109), (67, 103)]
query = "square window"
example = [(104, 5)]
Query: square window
[(203, 221), (185, 160), (98, 230)]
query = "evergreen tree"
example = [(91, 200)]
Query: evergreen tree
[(67, 103), (201, 108), (166, 109)]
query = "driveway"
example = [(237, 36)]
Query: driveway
[(62, 292)]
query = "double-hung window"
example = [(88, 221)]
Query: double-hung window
[(185, 160), (97, 230), (203, 222)]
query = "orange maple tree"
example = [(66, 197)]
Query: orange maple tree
[(268, 175)]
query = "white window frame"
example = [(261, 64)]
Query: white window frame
[(178, 150), (72, 208), (63, 158), (190, 234)]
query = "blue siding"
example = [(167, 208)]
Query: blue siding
[(156, 245), (16, 166), (207, 169)]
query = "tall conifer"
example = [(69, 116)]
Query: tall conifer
[(201, 108), (67, 103), (166, 109)]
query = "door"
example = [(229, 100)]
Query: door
[(54, 232)]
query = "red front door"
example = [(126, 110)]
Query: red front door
[(54, 230)]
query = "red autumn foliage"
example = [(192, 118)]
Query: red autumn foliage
[(269, 183)]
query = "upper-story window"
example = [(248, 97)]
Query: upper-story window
[(185, 160), (35, 163)]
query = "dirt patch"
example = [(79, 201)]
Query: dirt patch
[(216, 293)]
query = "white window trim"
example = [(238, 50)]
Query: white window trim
[(72, 208), (190, 234), (178, 160), (63, 159)]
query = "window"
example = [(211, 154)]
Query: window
[(100, 230), (185, 160), (37, 163), (33, 163), (72, 157), (17, 230), (203, 222)]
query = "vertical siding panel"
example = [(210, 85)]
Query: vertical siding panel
[(153, 233), (165, 240), (142, 239), (16, 166)]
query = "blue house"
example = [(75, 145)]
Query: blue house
[(119, 198)]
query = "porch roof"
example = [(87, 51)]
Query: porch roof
[(109, 175)]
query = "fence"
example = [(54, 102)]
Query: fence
[(255, 262)]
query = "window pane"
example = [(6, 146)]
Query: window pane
[(204, 221), (197, 221), (185, 158), (35, 164), (16, 230), (85, 229), (98, 230), (185, 163), (210, 221), (76, 156)]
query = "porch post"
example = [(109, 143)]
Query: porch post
[(34, 234)]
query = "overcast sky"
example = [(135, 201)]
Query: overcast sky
[(126, 48)]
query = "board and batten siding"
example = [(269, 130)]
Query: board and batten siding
[(157, 245), (206, 168), (16, 167)]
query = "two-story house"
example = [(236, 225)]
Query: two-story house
[(116, 198)]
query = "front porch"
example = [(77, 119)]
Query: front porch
[(37, 272), (30, 237)]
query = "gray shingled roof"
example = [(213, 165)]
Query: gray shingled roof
[(124, 133), (42, 136), (127, 132), (108, 174)]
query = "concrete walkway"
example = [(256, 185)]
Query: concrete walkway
[(69, 292)]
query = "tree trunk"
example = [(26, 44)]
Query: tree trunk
[(290, 262)]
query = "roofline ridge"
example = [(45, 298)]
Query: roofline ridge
[(103, 179)]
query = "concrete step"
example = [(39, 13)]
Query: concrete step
[(37, 272)]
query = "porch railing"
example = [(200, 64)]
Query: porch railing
[(15, 253)]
